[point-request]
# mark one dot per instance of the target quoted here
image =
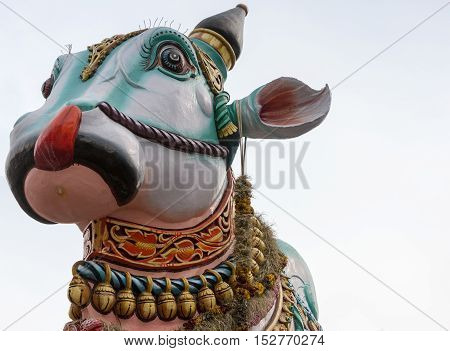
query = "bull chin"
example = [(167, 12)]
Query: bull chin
[(72, 195)]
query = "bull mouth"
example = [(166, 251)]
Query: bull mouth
[(167, 139)]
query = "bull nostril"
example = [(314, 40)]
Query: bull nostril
[(47, 87), (84, 103)]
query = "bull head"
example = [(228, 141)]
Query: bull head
[(89, 150)]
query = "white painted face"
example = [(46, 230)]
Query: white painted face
[(115, 172)]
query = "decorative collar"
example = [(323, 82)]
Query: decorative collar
[(151, 249)]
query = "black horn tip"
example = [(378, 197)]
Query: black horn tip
[(244, 7)]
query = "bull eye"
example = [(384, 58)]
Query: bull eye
[(173, 59), (47, 87)]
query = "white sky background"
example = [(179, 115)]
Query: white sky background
[(378, 167)]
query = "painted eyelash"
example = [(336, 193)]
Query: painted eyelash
[(145, 53), (170, 35)]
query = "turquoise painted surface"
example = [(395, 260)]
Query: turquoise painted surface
[(181, 104), (301, 276)]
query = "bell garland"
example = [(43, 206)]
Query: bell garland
[(146, 306), (253, 246), (256, 266)]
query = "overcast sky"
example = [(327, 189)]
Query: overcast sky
[(378, 168)]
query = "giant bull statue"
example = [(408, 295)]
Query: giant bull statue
[(134, 145)]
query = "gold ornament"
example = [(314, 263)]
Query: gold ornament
[(146, 305), (186, 303), (232, 279), (303, 316), (229, 129), (312, 326), (258, 256), (285, 285), (288, 296), (280, 327), (126, 302), (258, 243), (79, 292), (287, 308), (209, 69), (285, 315), (166, 306), (98, 52), (206, 299), (244, 275), (104, 295), (75, 312), (254, 266), (218, 42), (255, 223), (256, 232), (223, 292)]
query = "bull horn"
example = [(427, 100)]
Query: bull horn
[(221, 36)]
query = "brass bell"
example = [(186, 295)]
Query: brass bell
[(206, 299), (280, 327), (254, 266), (303, 316), (256, 232), (79, 292), (166, 305), (125, 300), (258, 243), (255, 222), (232, 279), (146, 305), (223, 292), (258, 256), (186, 305), (104, 295), (75, 312), (313, 326), (285, 285), (244, 275), (287, 295)]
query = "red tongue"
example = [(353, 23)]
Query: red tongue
[(54, 147)]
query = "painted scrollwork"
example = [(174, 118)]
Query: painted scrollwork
[(210, 71), (150, 248)]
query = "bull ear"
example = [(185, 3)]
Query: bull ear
[(283, 108)]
